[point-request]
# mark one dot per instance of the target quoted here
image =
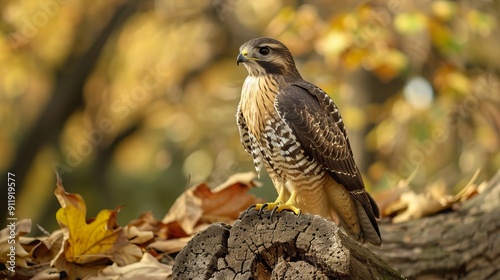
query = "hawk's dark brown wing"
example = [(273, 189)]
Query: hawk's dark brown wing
[(317, 124)]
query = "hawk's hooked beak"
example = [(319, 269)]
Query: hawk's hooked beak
[(242, 57)]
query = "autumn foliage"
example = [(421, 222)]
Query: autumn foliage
[(98, 248)]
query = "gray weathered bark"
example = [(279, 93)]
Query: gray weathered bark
[(283, 246)]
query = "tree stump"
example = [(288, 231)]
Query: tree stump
[(282, 246)]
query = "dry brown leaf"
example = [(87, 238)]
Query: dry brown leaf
[(170, 246), (127, 254), (147, 268), (231, 197), (224, 203), (41, 250), (434, 199), (386, 199), (49, 273), (48, 247), (147, 222), (137, 236), (415, 206), (18, 256), (166, 238)]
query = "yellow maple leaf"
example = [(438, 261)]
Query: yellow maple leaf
[(85, 242)]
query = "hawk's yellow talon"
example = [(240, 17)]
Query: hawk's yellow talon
[(287, 207), (275, 207), (251, 207), (262, 207), (265, 206)]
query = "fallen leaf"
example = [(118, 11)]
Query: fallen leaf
[(127, 254), (86, 246), (388, 201), (415, 206), (224, 203), (49, 273), (9, 239), (166, 238), (40, 251), (231, 197), (137, 236), (147, 268), (148, 223), (85, 242), (170, 246), (434, 199), (43, 249)]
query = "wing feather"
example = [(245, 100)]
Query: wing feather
[(243, 130), (248, 141), (317, 124), (315, 121)]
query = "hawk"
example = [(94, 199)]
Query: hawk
[(294, 129)]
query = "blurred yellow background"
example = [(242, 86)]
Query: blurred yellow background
[(132, 101)]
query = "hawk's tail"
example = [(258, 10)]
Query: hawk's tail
[(356, 213), (369, 228)]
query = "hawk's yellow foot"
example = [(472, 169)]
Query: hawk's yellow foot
[(268, 206), (287, 207), (275, 207)]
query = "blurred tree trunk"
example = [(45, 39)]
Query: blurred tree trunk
[(367, 90), (67, 97)]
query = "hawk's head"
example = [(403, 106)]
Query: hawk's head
[(263, 56)]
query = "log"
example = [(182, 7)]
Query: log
[(461, 244), (281, 246)]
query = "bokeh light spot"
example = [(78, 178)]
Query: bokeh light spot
[(418, 92)]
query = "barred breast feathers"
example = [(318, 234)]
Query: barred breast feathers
[(257, 102)]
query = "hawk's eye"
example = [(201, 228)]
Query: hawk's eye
[(264, 51)]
